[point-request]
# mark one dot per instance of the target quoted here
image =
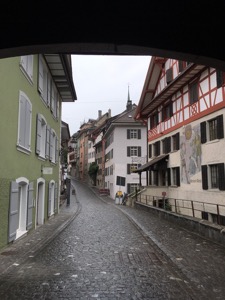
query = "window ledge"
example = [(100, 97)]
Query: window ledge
[(212, 141), (41, 158), (23, 149)]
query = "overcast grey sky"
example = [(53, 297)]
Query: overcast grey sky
[(101, 83)]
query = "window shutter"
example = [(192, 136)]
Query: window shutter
[(13, 210), (28, 124), (128, 188), (139, 134), (219, 78), (47, 147), (56, 198), (178, 176), (30, 66), (49, 198), (56, 150), (38, 134), (139, 151), (220, 131), (169, 75), (40, 76), (193, 92), (149, 150), (163, 114), (180, 65), (221, 176), (22, 118), (168, 144), (128, 168), (203, 132), (51, 145), (30, 205), (171, 109), (49, 87), (128, 151), (128, 134), (177, 140), (204, 177)]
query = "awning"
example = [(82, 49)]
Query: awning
[(148, 165)]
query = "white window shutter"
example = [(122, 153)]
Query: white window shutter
[(49, 198), (51, 145), (40, 76), (38, 134), (56, 197), (30, 205), (56, 150), (49, 87), (30, 66), (28, 124), (13, 210), (22, 118), (47, 147)]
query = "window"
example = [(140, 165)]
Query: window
[(133, 151), (176, 141), (156, 146), (220, 78), (167, 111), (154, 120), (24, 123), (41, 135), (26, 64), (132, 167), (133, 133), (53, 147), (193, 92), (212, 129), (132, 187), (166, 145), (175, 176), (149, 150), (169, 75), (213, 177)]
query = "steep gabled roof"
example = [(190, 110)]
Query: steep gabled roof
[(149, 99)]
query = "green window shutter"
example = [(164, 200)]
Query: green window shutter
[(220, 130), (205, 177), (221, 176), (203, 132)]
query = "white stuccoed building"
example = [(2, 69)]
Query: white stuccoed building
[(125, 150)]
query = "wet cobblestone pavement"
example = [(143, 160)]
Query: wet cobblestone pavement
[(109, 251)]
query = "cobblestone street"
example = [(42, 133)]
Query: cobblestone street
[(110, 251)]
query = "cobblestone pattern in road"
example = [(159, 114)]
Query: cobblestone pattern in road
[(100, 255)]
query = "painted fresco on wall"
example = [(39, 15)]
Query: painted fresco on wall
[(190, 153)]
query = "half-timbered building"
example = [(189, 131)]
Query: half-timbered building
[(184, 107)]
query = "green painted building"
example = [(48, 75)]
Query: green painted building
[(32, 88)]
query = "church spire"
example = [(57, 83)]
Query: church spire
[(129, 102)]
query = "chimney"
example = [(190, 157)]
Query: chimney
[(99, 114), (109, 113)]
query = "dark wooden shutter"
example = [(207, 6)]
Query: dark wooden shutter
[(139, 151), (169, 177), (128, 168), (219, 78), (220, 131), (171, 109), (149, 150), (193, 92), (139, 134), (128, 151), (204, 177), (169, 75), (203, 132), (128, 134), (178, 176), (177, 140), (168, 144), (221, 177), (128, 188)]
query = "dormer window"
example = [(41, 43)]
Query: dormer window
[(169, 75), (193, 92)]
